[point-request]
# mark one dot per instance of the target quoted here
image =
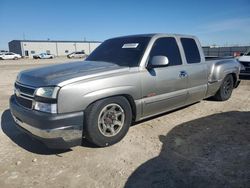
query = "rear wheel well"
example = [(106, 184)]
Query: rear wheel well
[(234, 78)]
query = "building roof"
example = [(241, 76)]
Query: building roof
[(72, 41), (65, 41)]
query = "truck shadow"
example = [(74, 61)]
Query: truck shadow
[(212, 151), (24, 140)]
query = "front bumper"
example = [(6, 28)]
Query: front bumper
[(57, 131)]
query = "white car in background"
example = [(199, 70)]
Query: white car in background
[(43, 56), (77, 55), (245, 61), (10, 55), (3, 51)]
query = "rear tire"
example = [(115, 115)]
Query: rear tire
[(107, 121), (226, 89)]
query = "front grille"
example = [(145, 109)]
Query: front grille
[(24, 95), (24, 102), (246, 64), (247, 70), (27, 90)]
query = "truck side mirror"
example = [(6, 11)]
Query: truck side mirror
[(158, 61)]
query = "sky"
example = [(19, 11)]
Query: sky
[(220, 22)]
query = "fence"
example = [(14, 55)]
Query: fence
[(224, 51)]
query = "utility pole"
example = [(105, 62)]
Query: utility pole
[(89, 48), (75, 46)]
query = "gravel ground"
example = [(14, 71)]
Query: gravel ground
[(203, 145)]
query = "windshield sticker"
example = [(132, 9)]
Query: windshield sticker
[(130, 45)]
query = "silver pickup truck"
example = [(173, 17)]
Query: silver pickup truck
[(125, 80)]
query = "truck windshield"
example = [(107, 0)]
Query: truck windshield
[(124, 51), (248, 53)]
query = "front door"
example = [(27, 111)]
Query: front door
[(26, 53), (164, 88)]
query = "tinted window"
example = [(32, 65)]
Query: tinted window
[(248, 53), (169, 48), (191, 50), (123, 51), (79, 52)]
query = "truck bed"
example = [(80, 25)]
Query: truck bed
[(208, 58)]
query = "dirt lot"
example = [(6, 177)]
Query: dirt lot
[(204, 145)]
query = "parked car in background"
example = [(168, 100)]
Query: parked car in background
[(77, 55), (43, 56), (245, 61), (3, 51), (10, 55), (125, 79)]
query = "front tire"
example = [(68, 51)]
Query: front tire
[(226, 89), (107, 121)]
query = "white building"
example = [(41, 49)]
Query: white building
[(28, 48)]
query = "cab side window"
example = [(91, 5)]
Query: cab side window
[(167, 47)]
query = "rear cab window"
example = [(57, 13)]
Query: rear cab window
[(191, 50)]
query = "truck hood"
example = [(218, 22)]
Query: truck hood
[(67, 73)]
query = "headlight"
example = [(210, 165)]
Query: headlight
[(45, 99), (46, 107), (47, 92)]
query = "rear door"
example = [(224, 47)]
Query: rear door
[(164, 88), (196, 68)]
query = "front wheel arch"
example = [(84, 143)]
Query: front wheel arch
[(130, 100)]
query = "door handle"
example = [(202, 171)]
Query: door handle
[(183, 74)]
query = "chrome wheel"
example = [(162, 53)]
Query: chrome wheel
[(111, 120)]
